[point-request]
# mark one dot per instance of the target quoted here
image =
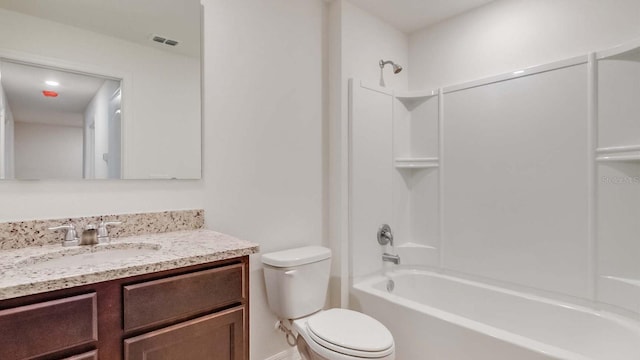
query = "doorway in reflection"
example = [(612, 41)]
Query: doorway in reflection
[(58, 124)]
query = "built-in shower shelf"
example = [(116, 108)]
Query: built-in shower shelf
[(416, 94), (412, 98), (627, 52), (412, 245), (619, 158), (619, 154), (633, 282), (417, 163), (418, 254)]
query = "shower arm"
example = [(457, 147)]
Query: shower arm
[(383, 63), (396, 68)]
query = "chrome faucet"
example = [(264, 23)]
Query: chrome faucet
[(91, 235), (103, 233), (385, 237), (71, 237), (391, 258)]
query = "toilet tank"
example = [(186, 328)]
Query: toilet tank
[(297, 280)]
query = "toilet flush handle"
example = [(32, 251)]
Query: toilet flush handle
[(290, 272)]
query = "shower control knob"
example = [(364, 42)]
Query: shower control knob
[(385, 236)]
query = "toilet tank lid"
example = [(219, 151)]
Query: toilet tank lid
[(297, 256)]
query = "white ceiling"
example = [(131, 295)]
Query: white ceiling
[(23, 85), (132, 20), (411, 15)]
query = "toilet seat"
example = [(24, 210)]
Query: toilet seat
[(350, 333)]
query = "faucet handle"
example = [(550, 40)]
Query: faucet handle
[(71, 237), (385, 236), (103, 232)]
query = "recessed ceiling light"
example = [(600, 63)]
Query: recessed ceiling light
[(52, 83)]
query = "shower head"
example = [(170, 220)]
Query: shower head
[(396, 68)]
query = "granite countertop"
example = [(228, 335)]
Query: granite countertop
[(38, 269)]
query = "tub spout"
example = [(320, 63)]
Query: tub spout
[(391, 258)]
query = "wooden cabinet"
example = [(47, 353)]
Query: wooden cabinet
[(197, 312), (45, 328), (163, 301), (213, 337)]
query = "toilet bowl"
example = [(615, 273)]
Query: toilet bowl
[(297, 281), (340, 334)]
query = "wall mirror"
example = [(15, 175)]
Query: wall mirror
[(100, 89)]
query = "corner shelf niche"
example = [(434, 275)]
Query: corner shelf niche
[(413, 253), (412, 99), (619, 154), (417, 163), (416, 179), (628, 52)]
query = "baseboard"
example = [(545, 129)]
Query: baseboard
[(290, 354)]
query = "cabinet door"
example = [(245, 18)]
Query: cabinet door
[(175, 298), (217, 336), (50, 327)]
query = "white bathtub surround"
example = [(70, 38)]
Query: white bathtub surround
[(460, 319), (526, 179), (167, 251), (507, 36), (506, 208)]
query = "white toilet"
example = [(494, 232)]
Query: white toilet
[(297, 281)]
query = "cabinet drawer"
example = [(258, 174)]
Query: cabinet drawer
[(46, 328), (171, 299), (213, 337), (92, 355)]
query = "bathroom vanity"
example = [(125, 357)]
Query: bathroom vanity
[(185, 299)]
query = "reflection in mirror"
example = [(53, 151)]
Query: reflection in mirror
[(62, 125), (128, 75)]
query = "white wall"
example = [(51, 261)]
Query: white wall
[(48, 151), (162, 102), (9, 144), (365, 41), (53, 199), (6, 138), (264, 128), (3, 137), (358, 41), (510, 34)]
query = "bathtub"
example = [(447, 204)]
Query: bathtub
[(440, 317)]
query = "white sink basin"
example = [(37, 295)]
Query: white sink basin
[(91, 256)]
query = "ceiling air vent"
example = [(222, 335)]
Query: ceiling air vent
[(164, 40)]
